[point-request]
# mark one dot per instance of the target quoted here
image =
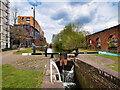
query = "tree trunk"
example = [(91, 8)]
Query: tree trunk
[(19, 47), (11, 44)]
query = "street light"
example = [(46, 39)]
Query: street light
[(34, 29)]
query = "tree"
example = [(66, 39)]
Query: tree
[(14, 13), (20, 34), (71, 37)]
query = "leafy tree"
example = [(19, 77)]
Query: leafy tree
[(19, 33), (71, 37)]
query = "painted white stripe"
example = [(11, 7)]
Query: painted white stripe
[(25, 54)]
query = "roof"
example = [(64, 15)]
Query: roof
[(105, 29)]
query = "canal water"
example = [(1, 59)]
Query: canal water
[(68, 78), (67, 74)]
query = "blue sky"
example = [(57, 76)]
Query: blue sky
[(53, 16)]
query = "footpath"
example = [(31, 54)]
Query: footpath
[(8, 57)]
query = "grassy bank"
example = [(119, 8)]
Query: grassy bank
[(18, 78), (114, 66), (28, 50)]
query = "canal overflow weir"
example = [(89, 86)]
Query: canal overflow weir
[(87, 75)]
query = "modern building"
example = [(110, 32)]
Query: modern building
[(106, 40), (4, 24), (39, 39), (53, 37), (30, 21)]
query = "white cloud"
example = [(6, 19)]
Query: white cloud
[(95, 16)]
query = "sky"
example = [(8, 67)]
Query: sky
[(53, 15)]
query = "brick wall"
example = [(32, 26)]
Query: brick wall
[(88, 76), (104, 38)]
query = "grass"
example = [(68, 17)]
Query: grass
[(18, 78), (8, 49), (82, 50), (28, 50), (114, 66)]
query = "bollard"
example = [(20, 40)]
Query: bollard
[(52, 56), (76, 54), (76, 50), (61, 59), (65, 59), (46, 52)]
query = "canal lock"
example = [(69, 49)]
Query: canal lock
[(67, 75), (78, 74)]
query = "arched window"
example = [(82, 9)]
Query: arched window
[(90, 43), (112, 41), (98, 43)]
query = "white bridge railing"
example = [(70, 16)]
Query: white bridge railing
[(54, 64)]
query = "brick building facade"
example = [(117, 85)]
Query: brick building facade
[(106, 40), (30, 21), (39, 39)]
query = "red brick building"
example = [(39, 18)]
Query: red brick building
[(106, 40), (30, 21), (39, 39)]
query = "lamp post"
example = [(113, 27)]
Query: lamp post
[(34, 29)]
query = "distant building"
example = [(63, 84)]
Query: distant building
[(53, 37), (106, 40), (4, 24), (30, 21), (27, 23), (39, 39)]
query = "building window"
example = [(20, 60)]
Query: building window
[(28, 22), (6, 2), (28, 18), (6, 33), (6, 27), (6, 45), (6, 9), (113, 41), (22, 18), (6, 15)]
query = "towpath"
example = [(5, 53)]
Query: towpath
[(98, 62), (8, 56)]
